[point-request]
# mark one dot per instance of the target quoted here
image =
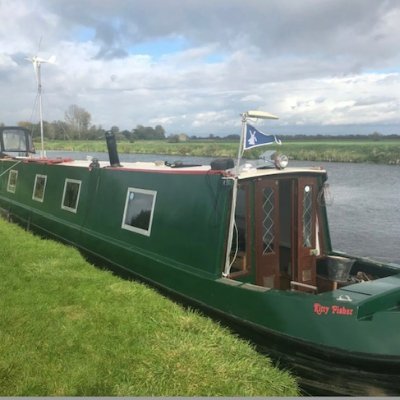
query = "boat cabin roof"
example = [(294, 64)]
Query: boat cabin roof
[(180, 168), (254, 172)]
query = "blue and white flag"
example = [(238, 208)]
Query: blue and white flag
[(255, 138)]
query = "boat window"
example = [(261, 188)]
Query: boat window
[(15, 140), (139, 210), (12, 181), (70, 200), (39, 187), (268, 225), (307, 215)]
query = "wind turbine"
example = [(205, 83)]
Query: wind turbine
[(37, 62)]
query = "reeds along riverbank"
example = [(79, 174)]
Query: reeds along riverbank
[(362, 151), (69, 329), (352, 152)]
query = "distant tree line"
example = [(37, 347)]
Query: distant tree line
[(140, 133), (376, 136), (213, 137), (303, 138), (77, 126)]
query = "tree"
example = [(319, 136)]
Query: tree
[(233, 137), (60, 130), (376, 136), (173, 139), (33, 128), (95, 133), (78, 120), (115, 130), (127, 135), (159, 132), (149, 133)]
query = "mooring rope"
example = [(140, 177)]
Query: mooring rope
[(12, 166)]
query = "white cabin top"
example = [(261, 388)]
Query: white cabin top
[(162, 167)]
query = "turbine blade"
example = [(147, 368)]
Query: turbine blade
[(35, 68), (51, 60)]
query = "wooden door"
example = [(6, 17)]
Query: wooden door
[(267, 232)]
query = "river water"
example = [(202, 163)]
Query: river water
[(364, 216), (364, 211)]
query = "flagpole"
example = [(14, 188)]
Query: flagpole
[(247, 114), (242, 138), (227, 269)]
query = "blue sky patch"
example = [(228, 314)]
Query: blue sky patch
[(160, 46)]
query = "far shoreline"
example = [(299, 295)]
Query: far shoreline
[(360, 151)]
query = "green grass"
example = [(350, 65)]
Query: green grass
[(201, 149), (380, 152), (69, 329)]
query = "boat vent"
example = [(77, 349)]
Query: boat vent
[(112, 149), (222, 164)]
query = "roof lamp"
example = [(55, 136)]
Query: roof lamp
[(281, 161)]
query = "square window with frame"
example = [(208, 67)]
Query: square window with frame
[(12, 181), (139, 210), (70, 199), (39, 188), (14, 140)]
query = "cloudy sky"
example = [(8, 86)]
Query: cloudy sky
[(322, 66)]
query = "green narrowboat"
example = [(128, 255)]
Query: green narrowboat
[(249, 244)]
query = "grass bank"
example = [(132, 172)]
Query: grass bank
[(362, 151), (68, 329)]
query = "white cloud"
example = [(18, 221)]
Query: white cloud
[(252, 98), (314, 63), (6, 61)]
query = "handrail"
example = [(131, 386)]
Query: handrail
[(304, 285), (12, 166)]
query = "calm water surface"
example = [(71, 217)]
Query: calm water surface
[(364, 214)]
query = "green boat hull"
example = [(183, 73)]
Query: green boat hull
[(346, 333)]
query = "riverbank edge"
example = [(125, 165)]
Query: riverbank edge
[(387, 153)]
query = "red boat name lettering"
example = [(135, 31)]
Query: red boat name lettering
[(340, 310), (319, 309)]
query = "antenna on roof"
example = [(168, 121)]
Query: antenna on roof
[(37, 62), (259, 114)]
